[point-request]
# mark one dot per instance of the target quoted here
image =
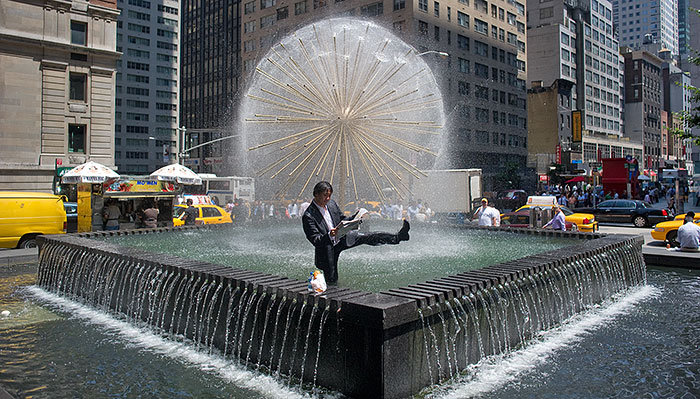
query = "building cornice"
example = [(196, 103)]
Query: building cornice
[(24, 38)]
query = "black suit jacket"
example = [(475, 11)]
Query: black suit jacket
[(317, 231)]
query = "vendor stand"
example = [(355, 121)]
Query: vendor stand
[(133, 195)]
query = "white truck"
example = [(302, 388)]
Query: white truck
[(449, 192)]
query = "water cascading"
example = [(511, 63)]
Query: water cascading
[(388, 344)]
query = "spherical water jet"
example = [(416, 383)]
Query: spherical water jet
[(342, 100)]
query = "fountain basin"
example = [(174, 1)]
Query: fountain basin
[(387, 344)]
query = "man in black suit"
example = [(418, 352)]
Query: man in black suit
[(319, 221)]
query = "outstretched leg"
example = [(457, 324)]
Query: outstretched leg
[(381, 238)]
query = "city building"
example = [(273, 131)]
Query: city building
[(550, 138), (482, 80), (574, 61), (677, 98), (210, 80), (642, 22), (57, 66), (643, 103), (146, 118)]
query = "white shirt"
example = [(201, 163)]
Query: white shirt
[(487, 215), (328, 220), (689, 235)]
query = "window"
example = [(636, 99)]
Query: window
[(481, 70), (463, 42), (167, 21), (166, 45), (422, 28), (249, 45), (267, 3), (481, 92), (482, 6), (249, 27), (463, 88), (319, 3), (267, 20), (138, 91), (399, 4), (167, 33), (481, 26), (300, 8), (139, 15), (138, 28), (76, 138), (372, 10), (481, 48), (463, 65), (78, 86), (423, 5), (78, 33), (282, 13), (463, 19), (436, 9), (249, 7)]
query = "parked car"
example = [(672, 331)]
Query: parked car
[(637, 212), (522, 219), (71, 216), (668, 231), (208, 214), (25, 215)]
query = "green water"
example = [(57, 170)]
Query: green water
[(282, 249)]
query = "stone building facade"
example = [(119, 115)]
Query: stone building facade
[(482, 80), (57, 64)]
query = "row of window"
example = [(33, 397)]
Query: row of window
[(492, 138)]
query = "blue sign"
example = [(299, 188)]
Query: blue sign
[(576, 161)]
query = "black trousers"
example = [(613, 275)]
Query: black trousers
[(373, 239)]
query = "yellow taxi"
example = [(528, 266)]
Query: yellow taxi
[(352, 206), (584, 222), (668, 231), (208, 214)]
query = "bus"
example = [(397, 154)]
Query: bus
[(225, 189)]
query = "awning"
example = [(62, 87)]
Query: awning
[(576, 179)]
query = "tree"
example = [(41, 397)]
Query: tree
[(508, 177)]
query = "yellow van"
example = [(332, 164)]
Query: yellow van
[(25, 215)]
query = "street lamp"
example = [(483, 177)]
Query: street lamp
[(442, 54), (181, 135)]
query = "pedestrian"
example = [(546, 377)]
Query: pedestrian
[(150, 215), (487, 215), (689, 233), (112, 215), (558, 222), (191, 213)]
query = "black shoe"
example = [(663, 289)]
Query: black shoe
[(403, 233)]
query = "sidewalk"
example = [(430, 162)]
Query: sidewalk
[(15, 256)]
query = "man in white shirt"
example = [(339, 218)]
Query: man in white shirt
[(689, 234), (487, 215), (319, 221)]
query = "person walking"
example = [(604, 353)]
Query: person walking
[(191, 213), (112, 215)]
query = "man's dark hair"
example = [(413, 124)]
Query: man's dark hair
[(322, 187), (189, 201)]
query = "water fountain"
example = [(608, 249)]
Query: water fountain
[(390, 343)]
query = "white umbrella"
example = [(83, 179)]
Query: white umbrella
[(89, 172), (177, 173)]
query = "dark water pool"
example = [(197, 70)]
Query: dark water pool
[(282, 249), (644, 345)]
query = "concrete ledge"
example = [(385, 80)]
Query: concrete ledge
[(660, 256)]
